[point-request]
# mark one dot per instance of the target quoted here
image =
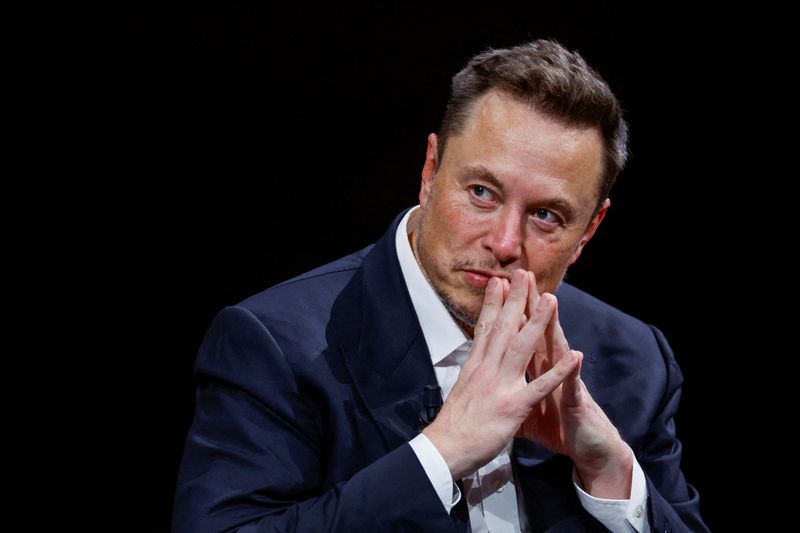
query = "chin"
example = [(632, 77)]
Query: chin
[(464, 310)]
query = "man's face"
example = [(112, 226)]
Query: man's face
[(514, 190)]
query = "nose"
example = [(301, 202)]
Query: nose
[(504, 236)]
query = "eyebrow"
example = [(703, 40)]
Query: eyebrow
[(480, 172)]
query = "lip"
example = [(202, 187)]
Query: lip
[(480, 278)]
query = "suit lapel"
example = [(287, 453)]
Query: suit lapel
[(389, 359)]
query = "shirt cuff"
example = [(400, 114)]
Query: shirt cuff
[(436, 468), (620, 516)]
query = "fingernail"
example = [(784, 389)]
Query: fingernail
[(492, 285)]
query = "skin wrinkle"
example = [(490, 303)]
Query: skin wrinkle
[(482, 328)]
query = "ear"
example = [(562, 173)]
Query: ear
[(428, 170), (589, 233)]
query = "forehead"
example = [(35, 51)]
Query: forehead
[(512, 138)]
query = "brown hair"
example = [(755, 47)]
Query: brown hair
[(556, 82)]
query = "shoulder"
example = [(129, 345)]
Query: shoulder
[(309, 293), (583, 315), (616, 346), (271, 334)]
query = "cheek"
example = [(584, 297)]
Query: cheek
[(547, 257), (460, 224)]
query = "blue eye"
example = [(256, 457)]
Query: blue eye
[(481, 192), (546, 215)]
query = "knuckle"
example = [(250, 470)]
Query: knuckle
[(516, 296), (483, 327), (517, 346), (499, 325), (489, 307), (542, 384)]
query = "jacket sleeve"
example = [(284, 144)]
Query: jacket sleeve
[(255, 456), (673, 503)]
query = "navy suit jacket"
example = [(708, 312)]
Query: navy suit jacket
[(309, 392)]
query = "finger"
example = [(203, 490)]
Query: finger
[(557, 344), (522, 320), (523, 317), (521, 348), (540, 362), (492, 304), (533, 294), (572, 384), (545, 384), (543, 359), (507, 324)]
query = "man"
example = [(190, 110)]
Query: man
[(312, 408)]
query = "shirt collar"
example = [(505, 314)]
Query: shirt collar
[(442, 334)]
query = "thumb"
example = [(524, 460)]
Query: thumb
[(571, 388)]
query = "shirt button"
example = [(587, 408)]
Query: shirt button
[(637, 512)]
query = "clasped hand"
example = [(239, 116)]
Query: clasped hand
[(492, 401)]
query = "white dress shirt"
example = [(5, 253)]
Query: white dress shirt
[(491, 492)]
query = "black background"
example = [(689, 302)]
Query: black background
[(168, 162)]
